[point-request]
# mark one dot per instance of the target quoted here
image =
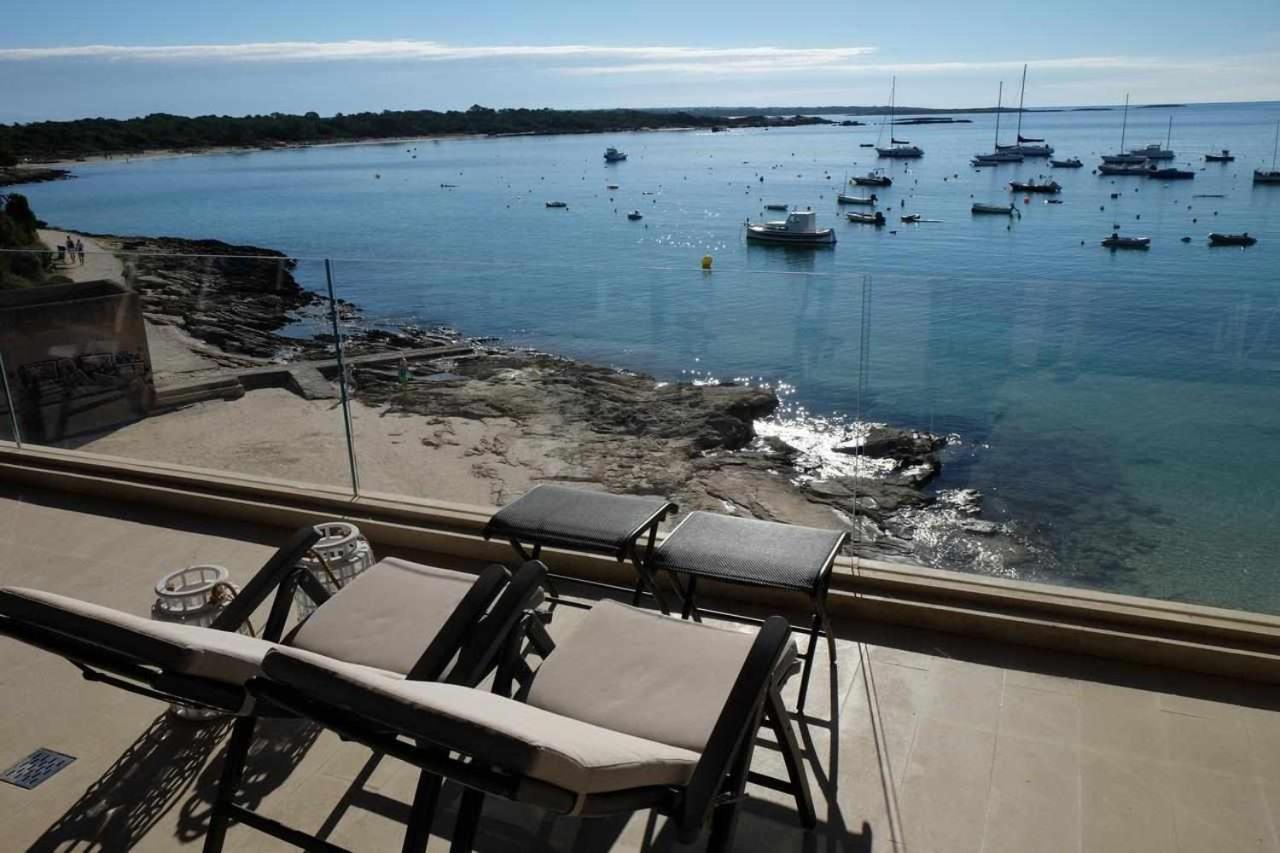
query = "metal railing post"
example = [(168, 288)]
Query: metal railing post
[(342, 381), (8, 398)]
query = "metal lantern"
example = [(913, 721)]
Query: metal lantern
[(340, 555), (193, 596)]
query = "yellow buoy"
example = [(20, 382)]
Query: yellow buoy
[(706, 262)]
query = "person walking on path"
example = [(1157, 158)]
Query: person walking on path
[(80, 250)]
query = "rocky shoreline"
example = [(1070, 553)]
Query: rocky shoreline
[(15, 175), (722, 447)]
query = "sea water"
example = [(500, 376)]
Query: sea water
[(1118, 409)]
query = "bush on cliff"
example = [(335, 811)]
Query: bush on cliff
[(18, 231)]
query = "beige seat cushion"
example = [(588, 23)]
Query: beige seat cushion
[(220, 655), (637, 671), (386, 617), (551, 748)]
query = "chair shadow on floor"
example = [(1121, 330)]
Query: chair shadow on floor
[(169, 763)]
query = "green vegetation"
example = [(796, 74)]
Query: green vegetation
[(60, 139), (18, 231)]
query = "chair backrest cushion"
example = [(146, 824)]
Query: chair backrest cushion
[(386, 617)]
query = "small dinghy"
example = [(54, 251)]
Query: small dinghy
[(557, 204), (634, 215), (1069, 163), (1224, 157), (611, 186), (1115, 241), (775, 207), (876, 218), (1244, 239), (997, 209), (866, 201), (911, 217)]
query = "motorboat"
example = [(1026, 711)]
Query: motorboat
[(1069, 163), (899, 149), (1170, 174), (911, 217), (1115, 241), (1154, 151), (635, 215), (1225, 156), (557, 204), (876, 218), (613, 155), (998, 209), (999, 154), (1123, 168), (874, 178), (1035, 187), (1269, 176), (775, 207), (866, 145), (1244, 239), (1027, 146), (799, 229), (611, 186), (867, 200)]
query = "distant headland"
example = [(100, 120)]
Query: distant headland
[(48, 141)]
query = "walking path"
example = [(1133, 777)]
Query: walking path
[(98, 262)]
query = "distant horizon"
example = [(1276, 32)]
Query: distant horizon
[(778, 110)]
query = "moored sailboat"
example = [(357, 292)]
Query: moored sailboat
[(1269, 176), (900, 149), (1027, 146), (996, 157)]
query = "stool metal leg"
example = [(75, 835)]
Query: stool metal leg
[(809, 655), (464, 830)]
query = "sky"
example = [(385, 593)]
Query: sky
[(81, 58)]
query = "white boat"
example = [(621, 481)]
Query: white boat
[(799, 229), (1154, 151), (557, 204), (900, 149), (1000, 209), (1027, 146), (868, 200), (613, 155), (635, 215), (997, 156), (1269, 176), (1115, 241), (876, 218)]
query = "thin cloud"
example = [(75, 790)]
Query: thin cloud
[(429, 50)]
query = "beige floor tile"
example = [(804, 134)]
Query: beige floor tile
[(1126, 804), (1263, 727), (1211, 744), (888, 690), (944, 791), (871, 772), (1034, 713), (1034, 805), (1218, 811), (1121, 720), (1051, 683), (965, 694)]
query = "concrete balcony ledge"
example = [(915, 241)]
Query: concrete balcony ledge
[(1127, 628)]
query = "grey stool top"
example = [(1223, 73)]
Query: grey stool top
[(750, 551), (581, 519)]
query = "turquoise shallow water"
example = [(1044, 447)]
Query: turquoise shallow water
[(1120, 408)]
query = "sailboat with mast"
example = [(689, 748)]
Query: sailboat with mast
[(1027, 146), (997, 156), (1270, 176), (900, 149), (1123, 158), (1154, 151)]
